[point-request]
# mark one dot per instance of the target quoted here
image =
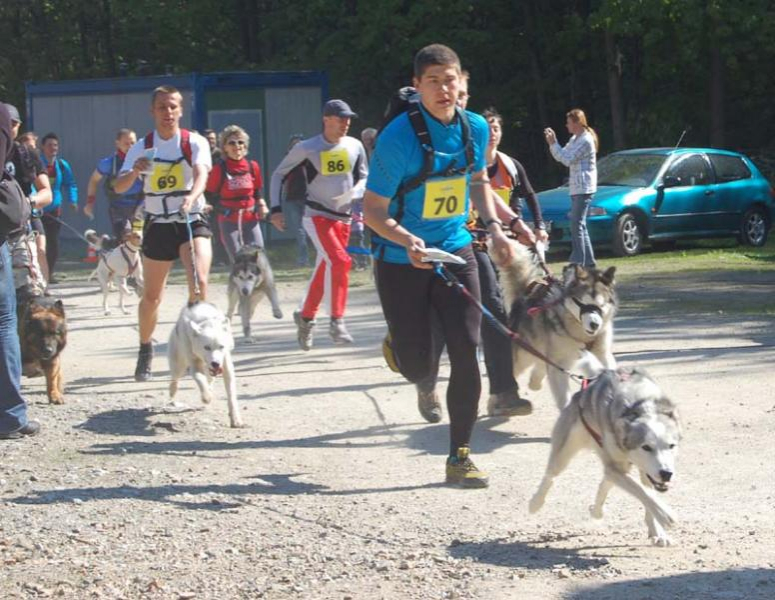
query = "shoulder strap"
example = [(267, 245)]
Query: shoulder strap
[(255, 176), (224, 174), (511, 168), (465, 125), (185, 146)]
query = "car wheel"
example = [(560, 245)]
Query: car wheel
[(628, 240), (754, 228)]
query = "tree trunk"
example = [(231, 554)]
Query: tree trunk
[(613, 64), (716, 96)]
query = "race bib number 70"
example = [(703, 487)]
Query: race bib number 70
[(334, 162), (444, 198), (167, 177)]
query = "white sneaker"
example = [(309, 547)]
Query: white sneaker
[(304, 330), (339, 333)]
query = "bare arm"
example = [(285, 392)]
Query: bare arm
[(125, 181), (42, 196), (376, 216), (91, 193)]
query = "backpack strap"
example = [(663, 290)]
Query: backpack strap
[(255, 176), (420, 127), (511, 168), (185, 144)]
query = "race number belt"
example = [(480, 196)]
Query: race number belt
[(334, 162), (444, 198), (167, 177)]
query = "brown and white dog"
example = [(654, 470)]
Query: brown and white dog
[(117, 264)]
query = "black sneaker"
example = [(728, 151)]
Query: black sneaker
[(31, 428), (144, 358)]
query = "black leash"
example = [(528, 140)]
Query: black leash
[(452, 281)]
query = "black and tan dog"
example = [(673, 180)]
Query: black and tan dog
[(43, 336)]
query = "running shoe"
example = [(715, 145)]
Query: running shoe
[(303, 330), (144, 358), (339, 333), (388, 354), (508, 404), (462, 471), (429, 405)]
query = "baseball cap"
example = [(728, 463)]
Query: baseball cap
[(337, 108), (14, 112)]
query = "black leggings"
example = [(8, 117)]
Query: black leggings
[(51, 226), (409, 297), (496, 346)]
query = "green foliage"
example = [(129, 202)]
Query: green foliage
[(532, 59)]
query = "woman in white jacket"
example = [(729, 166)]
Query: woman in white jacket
[(578, 154)]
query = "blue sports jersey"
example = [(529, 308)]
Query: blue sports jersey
[(110, 166), (398, 158)]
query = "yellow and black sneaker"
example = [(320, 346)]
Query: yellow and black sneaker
[(462, 471), (387, 353)]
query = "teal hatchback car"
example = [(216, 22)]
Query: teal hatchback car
[(661, 195)]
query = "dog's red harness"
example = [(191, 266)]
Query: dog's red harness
[(595, 435)]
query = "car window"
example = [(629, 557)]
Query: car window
[(729, 168), (691, 169), (634, 170)]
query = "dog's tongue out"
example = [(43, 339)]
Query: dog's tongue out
[(215, 371)]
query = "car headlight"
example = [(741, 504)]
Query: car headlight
[(596, 211)]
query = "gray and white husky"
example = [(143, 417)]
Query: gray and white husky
[(201, 343), (250, 280), (626, 418), (561, 319)]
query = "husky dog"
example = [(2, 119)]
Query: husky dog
[(250, 280), (560, 319), (119, 263), (201, 342), (626, 418)]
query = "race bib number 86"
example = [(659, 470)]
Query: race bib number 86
[(334, 162), (444, 198), (167, 178)]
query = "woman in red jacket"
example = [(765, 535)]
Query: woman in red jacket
[(234, 188)]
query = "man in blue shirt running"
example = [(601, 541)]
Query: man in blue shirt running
[(410, 208)]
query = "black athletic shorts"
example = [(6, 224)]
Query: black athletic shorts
[(37, 225), (162, 241)]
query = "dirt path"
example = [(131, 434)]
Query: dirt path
[(333, 491)]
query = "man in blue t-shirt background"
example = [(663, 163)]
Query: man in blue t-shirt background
[(123, 208), (408, 218)]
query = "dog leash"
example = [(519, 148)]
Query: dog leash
[(197, 289), (70, 227), (452, 281)]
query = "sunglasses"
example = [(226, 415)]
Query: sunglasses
[(236, 143)]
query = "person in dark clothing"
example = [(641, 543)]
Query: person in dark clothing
[(14, 422)]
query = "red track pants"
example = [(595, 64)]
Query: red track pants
[(332, 267)]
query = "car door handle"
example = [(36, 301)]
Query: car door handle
[(709, 192)]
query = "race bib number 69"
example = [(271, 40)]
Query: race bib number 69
[(444, 198), (334, 162), (167, 178)]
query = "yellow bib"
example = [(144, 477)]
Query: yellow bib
[(444, 198), (505, 194), (334, 162), (167, 178)]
